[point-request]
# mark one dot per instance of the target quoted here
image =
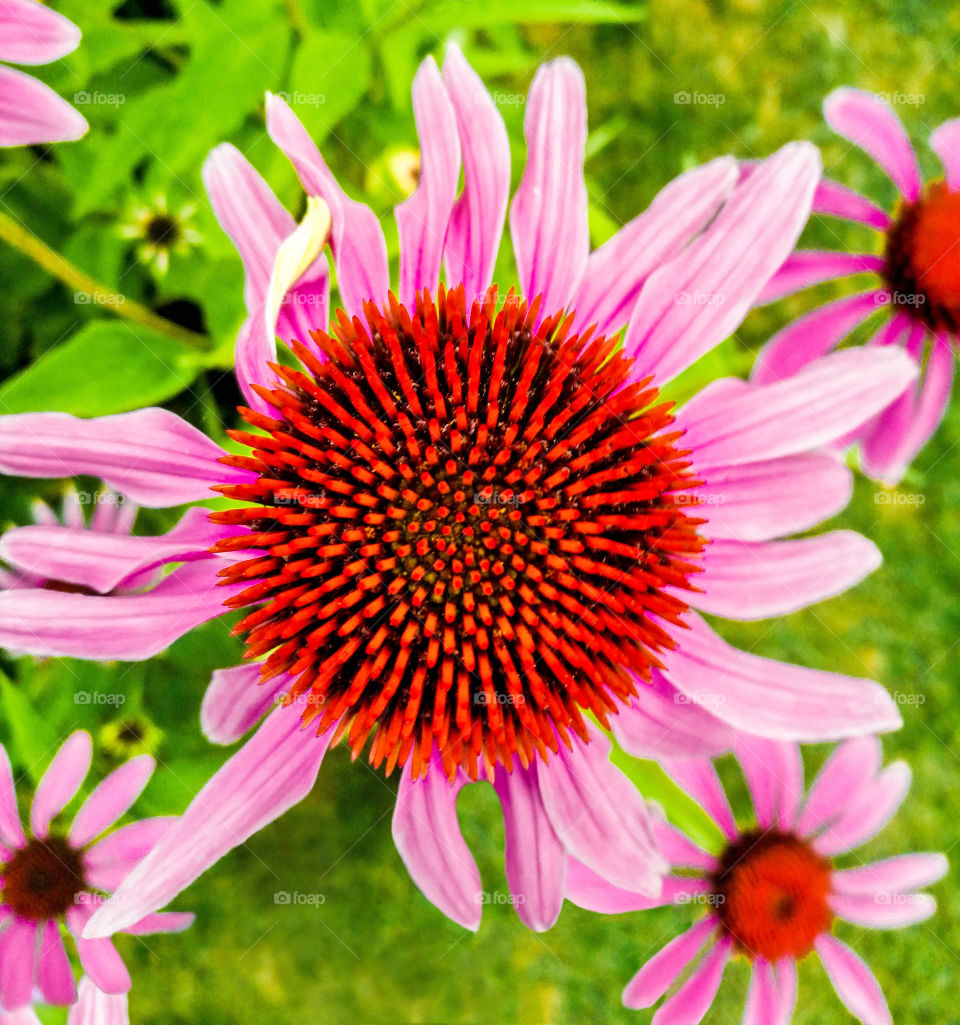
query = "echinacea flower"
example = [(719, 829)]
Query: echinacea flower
[(31, 112), (773, 892), (93, 1007), (53, 877), (917, 286), (160, 232), (466, 522)]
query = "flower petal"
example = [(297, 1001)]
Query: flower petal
[(691, 1001), (690, 305), (33, 34), (844, 773), (273, 771), (104, 965), (54, 972), (61, 781), (96, 1008), (807, 267), (161, 922), (476, 223), (11, 830), (151, 455), (699, 779), (761, 1006), (112, 798), (854, 982), (865, 814), (236, 700), (884, 910), (836, 200), (18, 963), (870, 123), (945, 142), (892, 875), (548, 217), (593, 893), (658, 974), (774, 774), (32, 113), (110, 860)]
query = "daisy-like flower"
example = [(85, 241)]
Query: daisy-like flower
[(93, 1007), (467, 523), (917, 285), (31, 112), (53, 877), (160, 232), (773, 892)]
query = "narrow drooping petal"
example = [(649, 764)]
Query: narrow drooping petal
[(854, 982), (422, 218), (761, 1006), (534, 858), (18, 962), (161, 922), (884, 911), (112, 798), (548, 217), (808, 267), (774, 774), (476, 223), (786, 982), (866, 814), (273, 771), (357, 242), (659, 973), (757, 580), (838, 200), (151, 455), (617, 270), (236, 701), (775, 699), (843, 775), (592, 892), (54, 972), (690, 305), (93, 1007), (32, 113), (689, 1004), (699, 779), (870, 123), (61, 781), (104, 965), (428, 838), (11, 830), (892, 875), (112, 858), (945, 142), (31, 33)]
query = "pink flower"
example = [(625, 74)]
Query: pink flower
[(917, 280), (463, 526), (31, 112), (93, 1007), (52, 877), (773, 892)]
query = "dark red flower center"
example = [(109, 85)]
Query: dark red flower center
[(466, 520), (923, 258), (43, 879), (771, 892)]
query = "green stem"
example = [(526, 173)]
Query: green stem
[(38, 251)]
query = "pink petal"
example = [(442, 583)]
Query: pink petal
[(236, 701), (945, 142), (104, 965), (256, 348), (108, 862), (774, 774), (853, 981), (692, 1000), (866, 813), (31, 112), (679, 850), (786, 983), (593, 893), (759, 579), (617, 270), (357, 242), (428, 839), (884, 910), (11, 831), (693, 303), (96, 1008), (161, 922), (599, 816), (837, 200), (273, 771), (23, 1016), (61, 781), (151, 455), (54, 974), (870, 123), (699, 779), (536, 863), (892, 875), (423, 217), (112, 798), (844, 773), (101, 561), (761, 1006), (548, 217), (807, 267), (775, 699), (476, 223), (129, 627), (658, 974), (765, 500), (814, 406), (18, 963), (33, 34)]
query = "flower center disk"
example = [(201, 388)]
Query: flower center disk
[(43, 879), (467, 519), (772, 894)]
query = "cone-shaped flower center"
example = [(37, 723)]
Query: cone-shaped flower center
[(43, 879), (771, 894), (923, 258), (466, 520)]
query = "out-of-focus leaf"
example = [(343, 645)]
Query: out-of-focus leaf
[(33, 738), (440, 15), (106, 367)]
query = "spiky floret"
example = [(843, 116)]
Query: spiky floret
[(467, 520)]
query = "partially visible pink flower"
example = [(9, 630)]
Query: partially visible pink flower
[(773, 892), (917, 284), (52, 877), (31, 112)]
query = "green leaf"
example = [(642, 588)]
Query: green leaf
[(106, 367), (529, 12), (33, 738)]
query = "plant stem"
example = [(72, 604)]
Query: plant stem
[(38, 251)]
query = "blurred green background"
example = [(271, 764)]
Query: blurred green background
[(162, 82)]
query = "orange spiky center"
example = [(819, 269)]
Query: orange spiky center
[(43, 879), (465, 520), (923, 258), (771, 894)]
